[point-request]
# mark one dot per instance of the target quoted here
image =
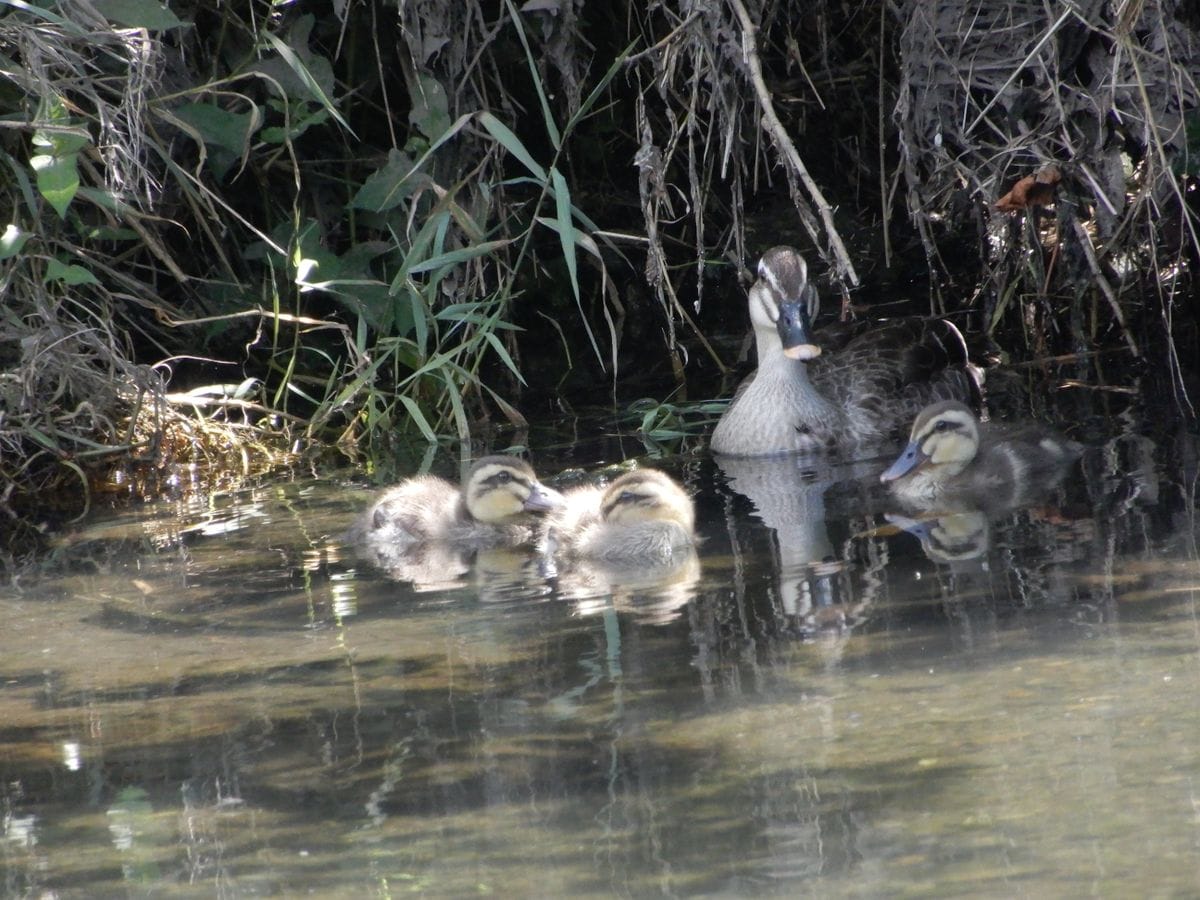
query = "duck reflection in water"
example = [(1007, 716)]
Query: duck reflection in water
[(949, 539), (631, 543), (788, 495), (433, 534)]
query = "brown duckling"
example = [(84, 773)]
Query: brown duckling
[(495, 506), (642, 518), (952, 458)]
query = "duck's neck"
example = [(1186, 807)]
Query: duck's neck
[(769, 347), (788, 374)]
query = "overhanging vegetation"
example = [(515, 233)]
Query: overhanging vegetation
[(235, 231)]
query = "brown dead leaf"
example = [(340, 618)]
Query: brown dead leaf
[(1032, 190)]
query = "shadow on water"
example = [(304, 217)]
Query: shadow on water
[(834, 696)]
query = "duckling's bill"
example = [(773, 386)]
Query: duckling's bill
[(911, 458), (543, 499)]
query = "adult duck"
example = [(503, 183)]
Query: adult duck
[(865, 386)]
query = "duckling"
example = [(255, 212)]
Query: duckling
[(493, 508), (802, 400), (642, 518), (951, 457)]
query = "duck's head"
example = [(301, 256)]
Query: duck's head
[(945, 435), (502, 487), (783, 300), (647, 495)]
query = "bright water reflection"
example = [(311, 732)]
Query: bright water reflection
[(218, 698)]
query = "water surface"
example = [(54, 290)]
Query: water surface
[(216, 697)]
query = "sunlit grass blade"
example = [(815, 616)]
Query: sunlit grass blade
[(504, 355), (601, 86), (418, 418), (510, 142), (556, 225), (531, 60), (454, 393), (294, 62), (454, 257)]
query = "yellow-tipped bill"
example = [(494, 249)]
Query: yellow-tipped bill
[(795, 331)]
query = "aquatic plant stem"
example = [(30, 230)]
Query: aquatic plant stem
[(787, 149)]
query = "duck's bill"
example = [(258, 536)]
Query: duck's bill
[(795, 331), (802, 351), (543, 499), (910, 459)]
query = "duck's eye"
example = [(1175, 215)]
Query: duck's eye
[(628, 497), (943, 426), (503, 477)]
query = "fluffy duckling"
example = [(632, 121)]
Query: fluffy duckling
[(642, 518), (493, 508), (951, 457)]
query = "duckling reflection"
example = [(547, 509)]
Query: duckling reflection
[(653, 595), (632, 543), (949, 539), (496, 573), (952, 460), (428, 531)]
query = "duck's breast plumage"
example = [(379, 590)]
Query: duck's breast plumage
[(775, 410)]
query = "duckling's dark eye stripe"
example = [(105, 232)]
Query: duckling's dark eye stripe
[(504, 477), (625, 498)]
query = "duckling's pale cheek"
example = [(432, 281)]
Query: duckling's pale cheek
[(625, 514), (951, 449), (496, 505)]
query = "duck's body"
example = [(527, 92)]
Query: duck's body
[(643, 518), (496, 506), (952, 459), (863, 387)]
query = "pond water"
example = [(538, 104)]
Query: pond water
[(216, 697)]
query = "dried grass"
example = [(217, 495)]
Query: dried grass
[(991, 93)]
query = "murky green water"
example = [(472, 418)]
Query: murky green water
[(216, 697)]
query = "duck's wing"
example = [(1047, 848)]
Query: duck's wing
[(910, 349), (889, 372)]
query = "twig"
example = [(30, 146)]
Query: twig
[(230, 403), (1105, 288), (630, 60), (885, 206), (997, 95), (784, 144)]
